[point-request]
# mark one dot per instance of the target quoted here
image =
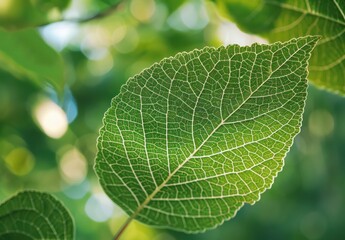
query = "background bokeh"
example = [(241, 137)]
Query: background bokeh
[(48, 139)]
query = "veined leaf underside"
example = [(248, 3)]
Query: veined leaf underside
[(35, 215), (285, 19), (191, 139)]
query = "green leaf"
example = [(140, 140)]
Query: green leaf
[(191, 139), (25, 53), (17, 14), (35, 215), (282, 20)]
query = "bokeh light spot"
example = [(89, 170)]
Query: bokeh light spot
[(101, 66), (119, 32), (99, 207), (20, 161), (142, 10), (321, 123), (77, 191), (73, 166), (194, 16), (129, 42), (229, 33), (190, 16), (59, 35), (50, 118)]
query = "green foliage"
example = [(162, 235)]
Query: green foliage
[(33, 215), (102, 45), (17, 14), (111, 2), (280, 20), (261, 22), (191, 139), (25, 53)]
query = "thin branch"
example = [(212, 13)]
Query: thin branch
[(98, 15)]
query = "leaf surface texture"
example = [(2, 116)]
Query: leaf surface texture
[(191, 139), (280, 20), (35, 215)]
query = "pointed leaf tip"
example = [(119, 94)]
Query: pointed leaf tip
[(191, 139)]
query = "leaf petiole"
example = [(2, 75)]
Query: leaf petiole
[(123, 228)]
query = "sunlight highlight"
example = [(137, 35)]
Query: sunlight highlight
[(320, 123), (229, 33), (50, 118), (73, 166), (5, 5), (190, 16), (20, 161), (99, 207), (142, 10)]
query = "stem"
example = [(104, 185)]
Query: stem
[(101, 14), (98, 15), (123, 228)]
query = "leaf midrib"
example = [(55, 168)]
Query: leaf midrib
[(151, 196)]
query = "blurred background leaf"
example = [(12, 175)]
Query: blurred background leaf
[(25, 53), (280, 20), (252, 16), (17, 14), (35, 215), (306, 201)]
